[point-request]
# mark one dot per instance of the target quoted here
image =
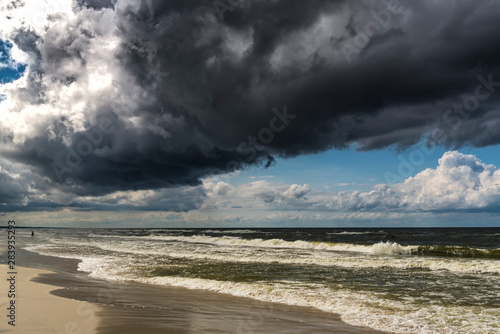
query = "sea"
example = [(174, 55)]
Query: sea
[(401, 280)]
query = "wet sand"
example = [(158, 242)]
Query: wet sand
[(127, 307)]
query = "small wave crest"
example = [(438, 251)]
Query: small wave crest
[(231, 231), (357, 233), (392, 248), (458, 251), (264, 243)]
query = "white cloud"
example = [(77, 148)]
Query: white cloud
[(280, 216), (344, 184), (459, 182), (72, 46), (296, 191), (217, 188)]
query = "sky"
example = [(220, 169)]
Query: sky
[(256, 113)]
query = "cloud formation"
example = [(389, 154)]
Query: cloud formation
[(459, 182), (127, 96)]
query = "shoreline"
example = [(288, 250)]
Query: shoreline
[(36, 310), (131, 307)]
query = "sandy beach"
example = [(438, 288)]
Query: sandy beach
[(37, 311), (53, 297)]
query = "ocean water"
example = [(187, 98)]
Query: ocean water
[(398, 280)]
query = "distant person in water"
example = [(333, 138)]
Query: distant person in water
[(32, 233)]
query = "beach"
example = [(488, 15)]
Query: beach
[(37, 311), (263, 280), (54, 297)]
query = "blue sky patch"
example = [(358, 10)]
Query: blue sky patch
[(9, 69)]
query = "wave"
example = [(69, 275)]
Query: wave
[(392, 248), (379, 248), (458, 251), (329, 259), (166, 231), (232, 231), (382, 247), (233, 248), (358, 308), (356, 233), (130, 257), (436, 250)]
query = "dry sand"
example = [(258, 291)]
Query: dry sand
[(37, 311)]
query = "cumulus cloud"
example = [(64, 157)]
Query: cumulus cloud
[(127, 96), (296, 191), (282, 195), (460, 182), (217, 188)]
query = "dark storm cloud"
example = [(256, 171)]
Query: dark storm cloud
[(211, 76), (395, 91), (12, 191), (97, 4)]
